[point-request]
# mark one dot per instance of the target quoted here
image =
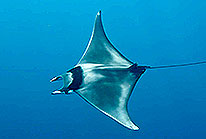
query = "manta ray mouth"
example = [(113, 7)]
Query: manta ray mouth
[(57, 78)]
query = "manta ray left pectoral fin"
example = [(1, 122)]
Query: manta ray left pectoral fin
[(100, 50)]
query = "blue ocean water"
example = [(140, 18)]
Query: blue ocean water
[(41, 39)]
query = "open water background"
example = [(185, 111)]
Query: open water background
[(43, 38)]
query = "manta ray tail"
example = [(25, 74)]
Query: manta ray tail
[(176, 65)]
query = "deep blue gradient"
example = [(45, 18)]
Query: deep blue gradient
[(43, 38)]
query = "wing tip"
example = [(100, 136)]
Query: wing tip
[(99, 13), (134, 127), (130, 126)]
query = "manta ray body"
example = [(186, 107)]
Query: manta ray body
[(103, 77)]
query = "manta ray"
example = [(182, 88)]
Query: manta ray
[(104, 77)]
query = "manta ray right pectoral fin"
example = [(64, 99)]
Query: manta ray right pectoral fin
[(109, 92)]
